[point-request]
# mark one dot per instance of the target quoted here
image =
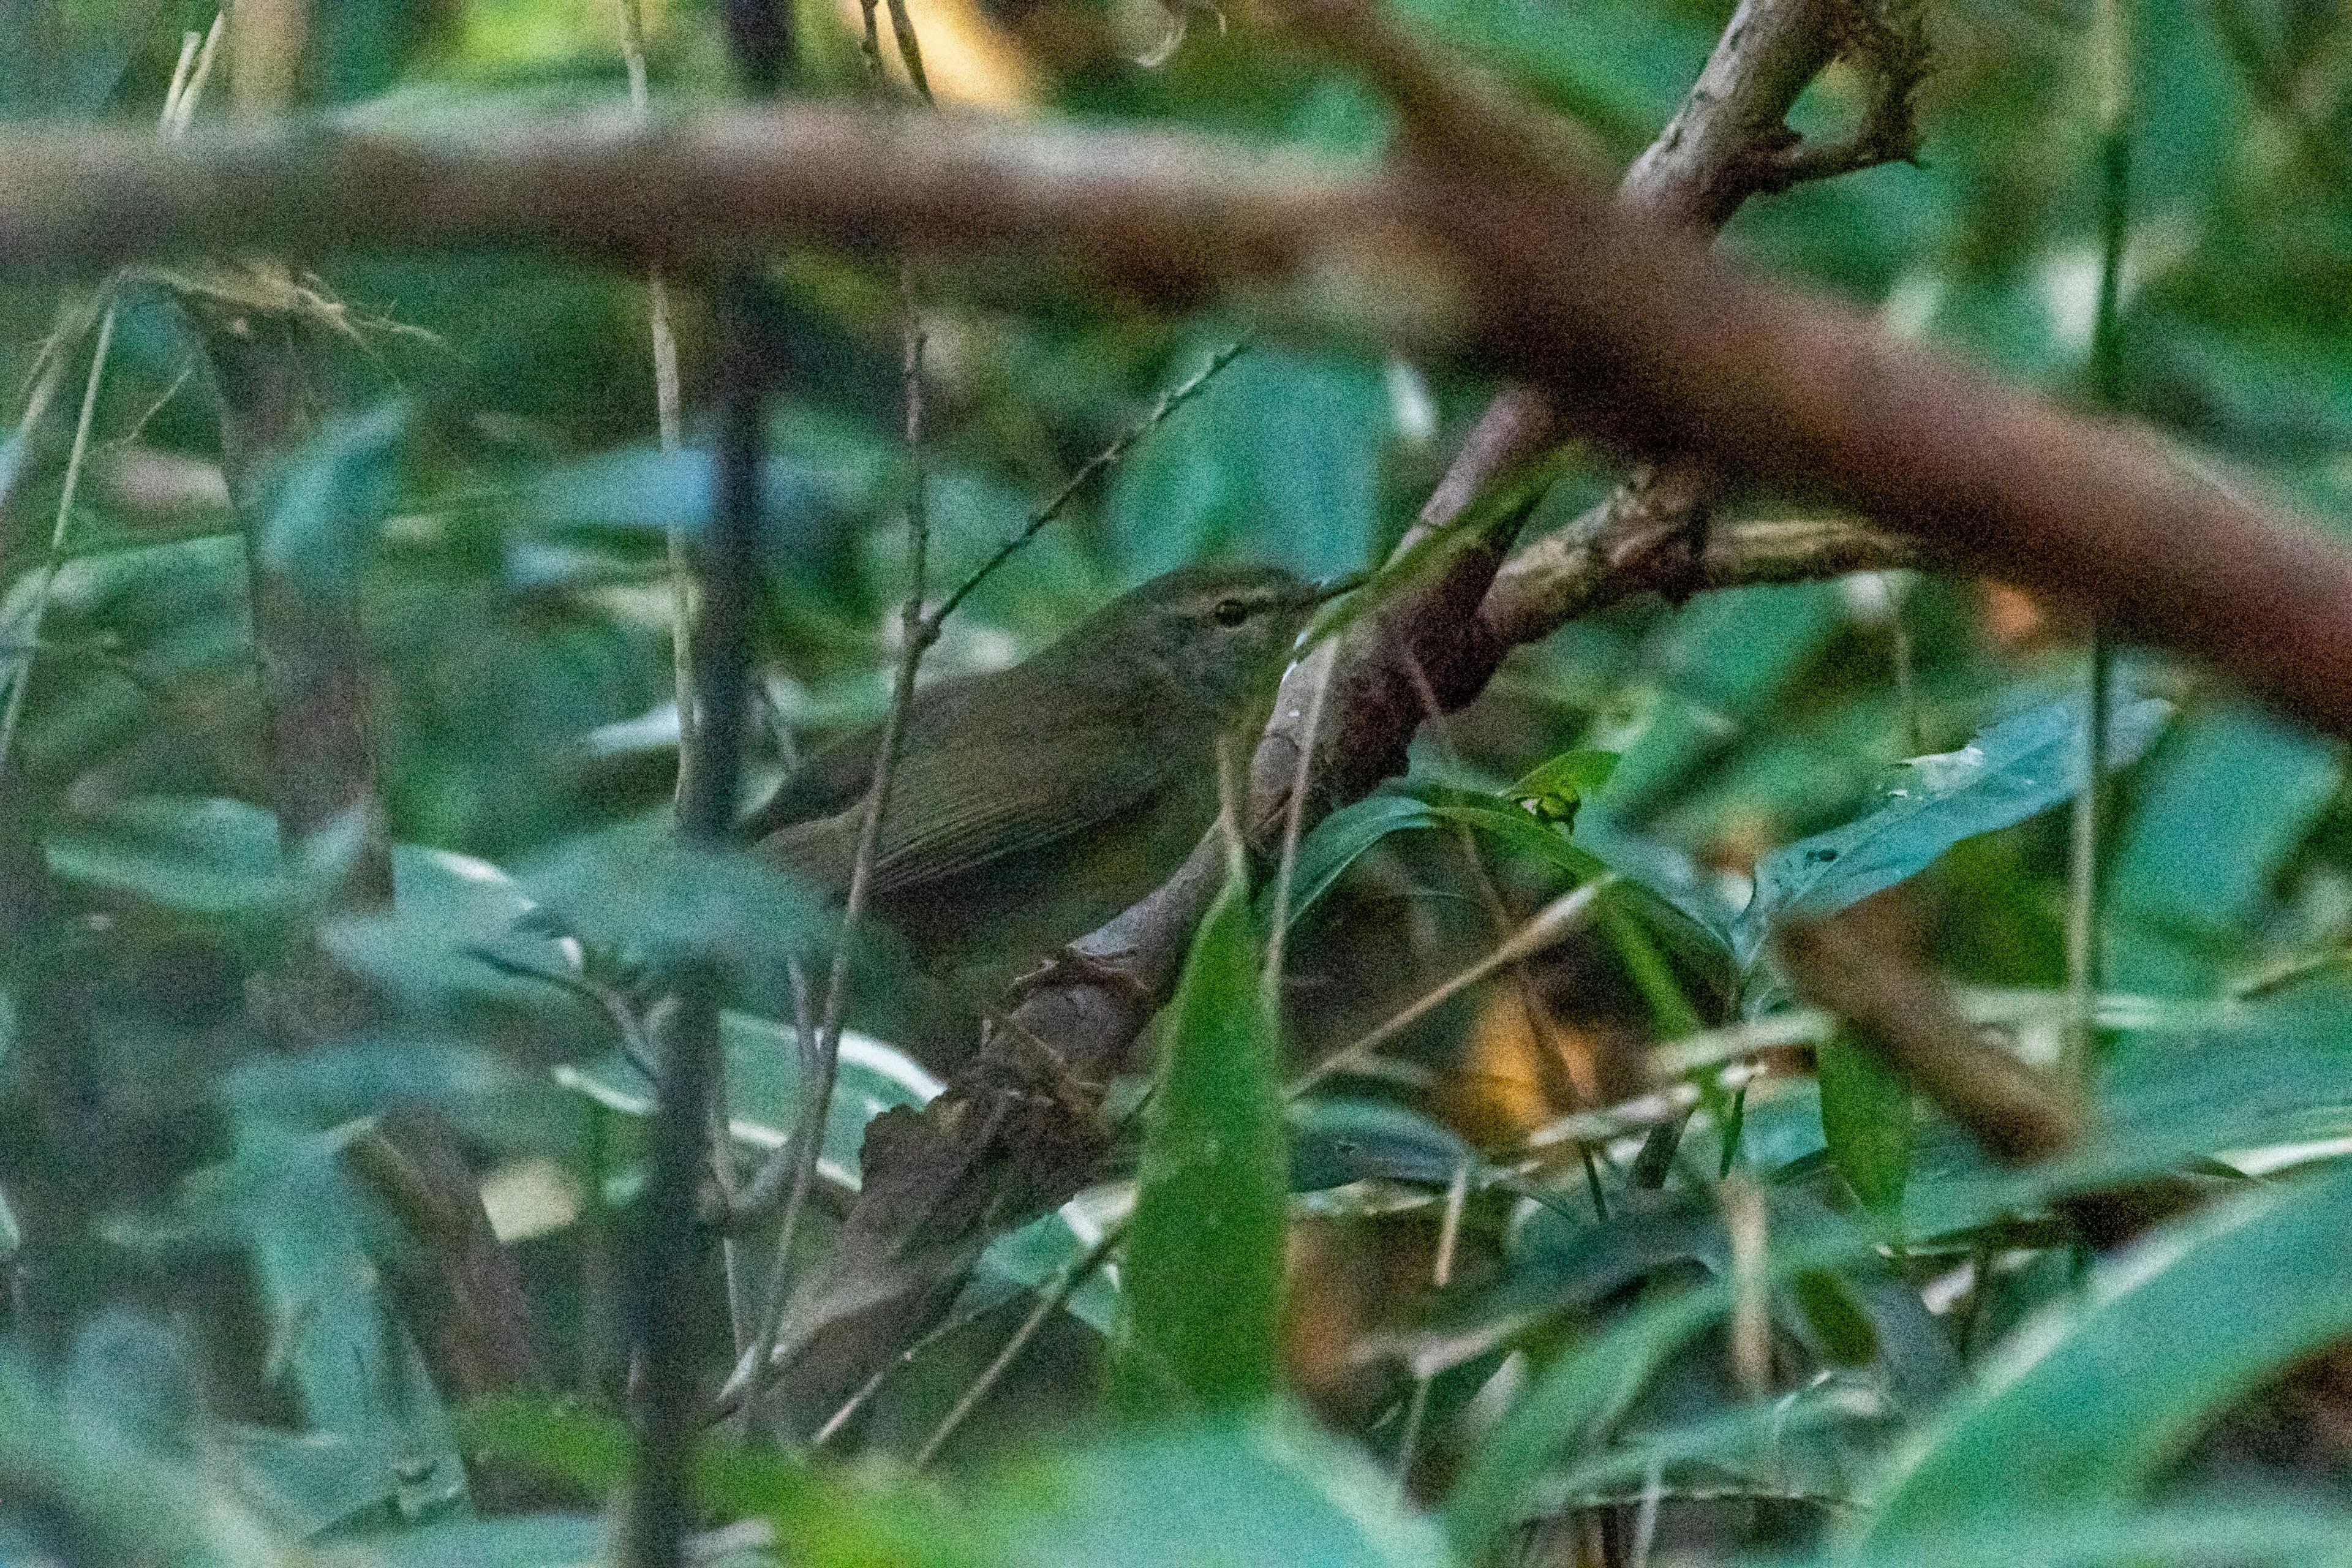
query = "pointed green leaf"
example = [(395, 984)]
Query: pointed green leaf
[(1205, 1257), (2094, 1396)]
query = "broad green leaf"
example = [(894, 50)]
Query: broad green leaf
[(1203, 1265), (1281, 451), (2232, 1533), (1567, 1404), (764, 1079), (2220, 805), (202, 856), (2093, 1397), (1334, 1142), (1342, 838), (880, 1518), (326, 503), (528, 1540), (1866, 1119), (1274, 1492), (2017, 768), (649, 899)]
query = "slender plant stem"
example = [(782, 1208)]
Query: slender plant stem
[(1293, 813), (916, 633), (1441, 1275), (180, 97), (1169, 403), (667, 420), (1549, 924), (1046, 1305), (180, 108), (22, 681), (2082, 890), (668, 1244)]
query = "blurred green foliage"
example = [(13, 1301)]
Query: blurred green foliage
[(209, 1358)]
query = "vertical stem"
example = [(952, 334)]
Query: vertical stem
[(23, 678), (2083, 900), (667, 417), (669, 1247)]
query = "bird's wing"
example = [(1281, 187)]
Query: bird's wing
[(940, 823)]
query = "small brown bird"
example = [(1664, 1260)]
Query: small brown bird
[(1032, 804)]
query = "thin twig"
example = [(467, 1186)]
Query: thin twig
[(670, 1241), (21, 680), (666, 418), (916, 633), (1441, 1275), (1169, 403), (1549, 924), (180, 110), (1293, 813), (2083, 882), (1045, 1306), (180, 97)]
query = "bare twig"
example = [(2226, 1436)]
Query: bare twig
[(1048, 1302), (668, 1406), (669, 423), (2083, 878), (1169, 401), (21, 677), (1277, 940), (1441, 1275), (916, 633), (1548, 925)]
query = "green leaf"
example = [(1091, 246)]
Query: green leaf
[(2017, 768), (1570, 1401), (764, 1089), (2094, 1397), (327, 503), (2220, 805), (1334, 1142), (646, 897), (1205, 1257), (1866, 1119), (201, 857), (1554, 790), (1267, 1493)]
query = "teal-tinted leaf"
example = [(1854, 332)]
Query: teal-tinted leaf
[(125, 1503), (1342, 838), (1866, 1119), (2020, 766), (1270, 1493), (1205, 1257), (327, 503), (131, 1382), (1036, 1257), (2221, 805), (455, 935), (1334, 1142), (2096, 1394), (1279, 460), (652, 900), (2218, 1534), (1568, 1402), (1555, 789), (764, 1089), (197, 856), (531, 1540), (357, 1378)]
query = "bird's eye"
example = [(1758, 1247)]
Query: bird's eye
[(1231, 612)]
